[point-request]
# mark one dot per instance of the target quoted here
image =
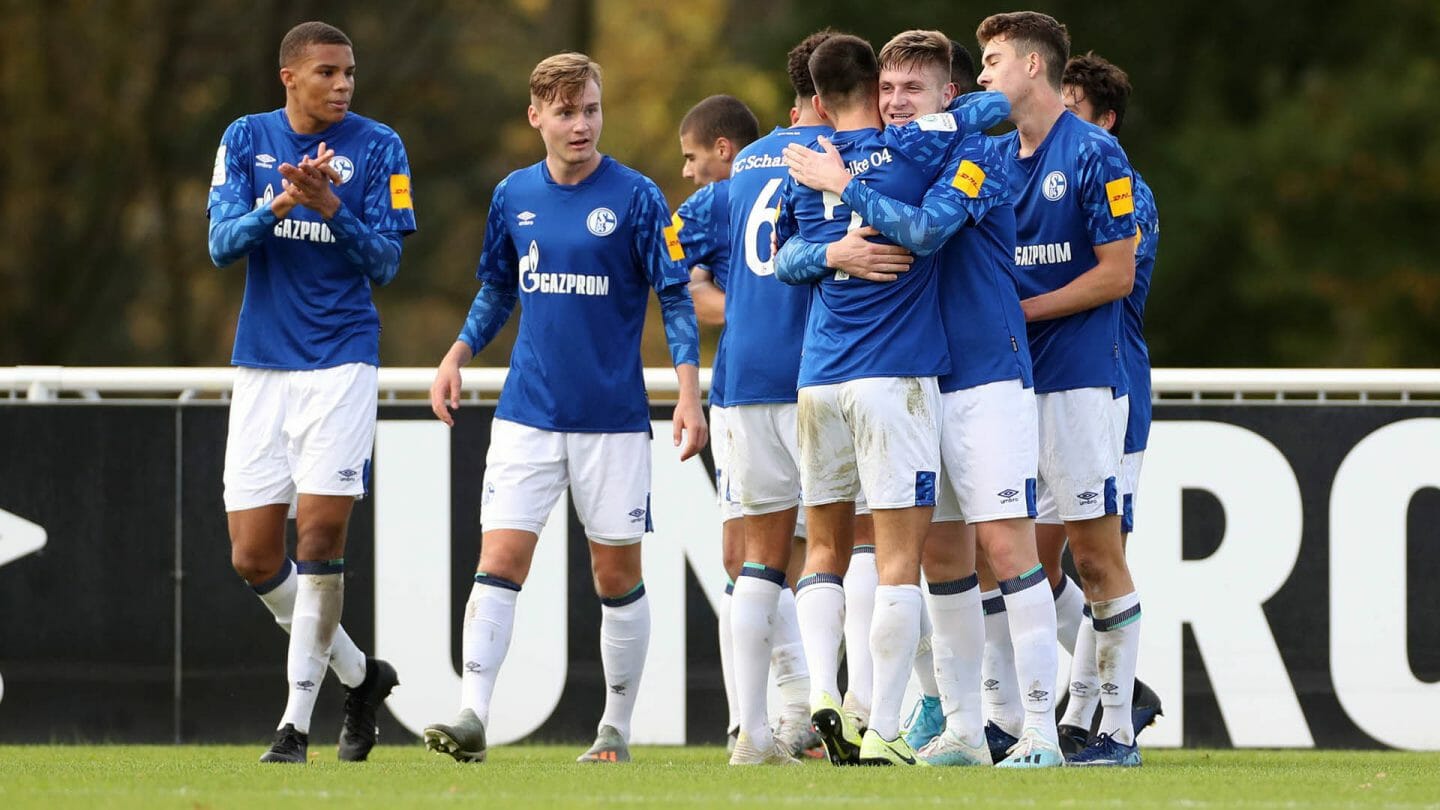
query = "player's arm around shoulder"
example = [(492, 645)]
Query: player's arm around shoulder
[(670, 279)]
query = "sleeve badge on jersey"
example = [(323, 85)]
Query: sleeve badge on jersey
[(1122, 202), (217, 177), (936, 122), (400, 192), (672, 238), (968, 178)]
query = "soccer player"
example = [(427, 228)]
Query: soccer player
[(317, 199), (989, 440), (1075, 262), (1098, 92), (869, 406), (579, 240), (765, 323), (711, 134)]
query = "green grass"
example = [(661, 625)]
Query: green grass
[(546, 776)]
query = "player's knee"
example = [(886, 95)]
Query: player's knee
[(610, 582), (323, 540), (254, 566), (1093, 569)]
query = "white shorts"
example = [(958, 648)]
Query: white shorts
[(879, 434), (297, 432), (1082, 438), (720, 443), (527, 468), (765, 457), (989, 449), (1129, 486)]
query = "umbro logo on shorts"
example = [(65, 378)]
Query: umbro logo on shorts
[(636, 515), (348, 475), (1087, 497), (1007, 495)]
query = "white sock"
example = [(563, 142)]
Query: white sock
[(860, 582), (1117, 646), (1031, 609), (959, 640), (1069, 603), (820, 606), (924, 664), (788, 658), (278, 594), (624, 641), (485, 639), (752, 623), (727, 659), (1084, 681), (1000, 685), (894, 635), (319, 598)]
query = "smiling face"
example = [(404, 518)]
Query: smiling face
[(318, 87), (912, 91), (570, 127)]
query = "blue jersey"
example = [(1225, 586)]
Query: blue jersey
[(699, 234), (1132, 325), (582, 259), (308, 306), (764, 319), (979, 302), (858, 329), (1073, 193)]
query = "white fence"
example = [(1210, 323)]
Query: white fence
[(47, 383)]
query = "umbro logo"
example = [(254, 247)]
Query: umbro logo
[(1008, 495), (1037, 694), (525, 218), (1087, 497), (636, 515), (265, 161), (473, 667), (305, 686), (347, 475), (1079, 687), (617, 688), (1109, 688), (990, 684)]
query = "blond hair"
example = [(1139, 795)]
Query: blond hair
[(562, 77), (917, 49)]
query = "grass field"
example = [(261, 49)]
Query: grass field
[(546, 776)]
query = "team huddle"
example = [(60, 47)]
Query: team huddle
[(932, 342)]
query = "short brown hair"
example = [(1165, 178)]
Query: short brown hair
[(1102, 83), (563, 76), (721, 117), (798, 63), (1031, 32), (302, 36), (917, 48), (845, 71)]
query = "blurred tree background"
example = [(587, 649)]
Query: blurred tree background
[(1292, 147)]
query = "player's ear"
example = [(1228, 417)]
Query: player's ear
[(722, 148), (951, 91), (534, 116), (287, 77), (819, 107), (794, 115), (1107, 120)]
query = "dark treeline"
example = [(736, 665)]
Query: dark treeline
[(1292, 147)]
